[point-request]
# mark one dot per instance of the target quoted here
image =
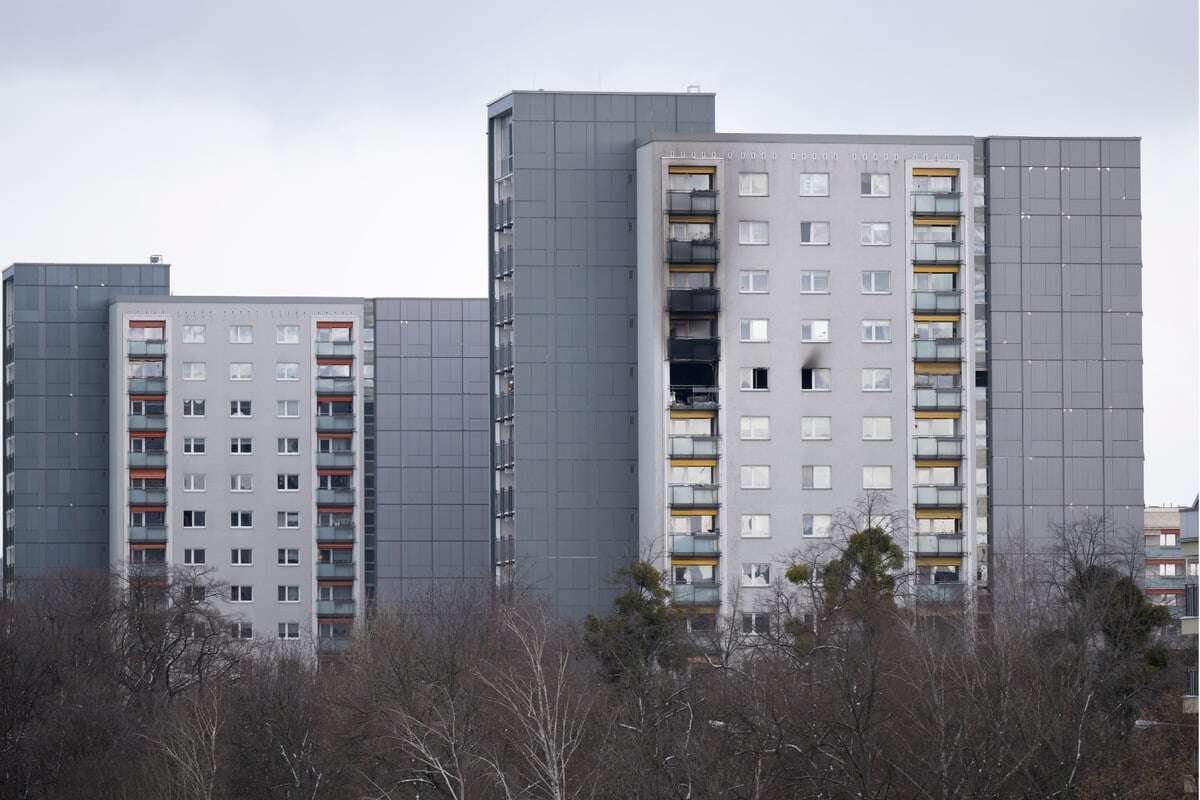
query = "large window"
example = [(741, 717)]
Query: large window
[(193, 408), (753, 330), (286, 371), (756, 574), (756, 477), (877, 379), (241, 445), (816, 476), (877, 477), (877, 281), (193, 334), (241, 334), (753, 379), (814, 233), (753, 281), (756, 526), (875, 233), (193, 371), (240, 408), (876, 429), (754, 232), (241, 556), (755, 428), (241, 482), (241, 371), (875, 184), (194, 482), (287, 334), (814, 281), (876, 330), (241, 594), (814, 330), (290, 445), (287, 409), (816, 428), (193, 445), (241, 519), (194, 519), (814, 184), (816, 526), (816, 379), (752, 184)]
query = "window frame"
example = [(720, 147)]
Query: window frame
[(766, 188)]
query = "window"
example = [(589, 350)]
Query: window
[(756, 477), (877, 281), (753, 379), (756, 623), (288, 594), (1168, 539), (814, 330), (814, 281), (815, 379), (193, 445), (193, 371), (241, 630), (193, 594), (675, 280), (753, 232), (877, 379), (818, 476), (756, 526), (194, 555), (241, 482), (677, 231), (286, 371), (876, 330), (876, 184), (240, 408), (814, 233), (241, 445), (241, 557), (877, 477), (876, 429), (753, 281), (241, 334), (193, 334), (289, 630), (194, 519), (874, 233), (287, 483), (287, 519), (756, 574), (754, 428), (288, 556), (333, 370), (289, 445), (754, 330), (1165, 570), (814, 184), (287, 409), (817, 526), (241, 519), (241, 594), (241, 371), (193, 408), (752, 184), (194, 482), (816, 428), (287, 334)]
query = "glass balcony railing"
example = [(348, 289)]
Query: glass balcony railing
[(700, 251), (335, 385), (937, 252), (707, 545), (941, 593), (693, 301), (335, 497), (691, 495), (693, 349), (335, 608), (698, 202), (945, 545), (937, 302), (937, 398), (504, 406), (147, 347), (502, 309), (337, 569), (694, 397), (696, 594), (938, 496), (333, 645), (148, 533), (153, 571), (693, 446), (335, 533), (937, 447), (148, 497), (147, 385), (502, 262), (936, 204), (504, 357), (339, 349), (343, 459), (937, 350), (335, 422), (154, 459), (147, 422)]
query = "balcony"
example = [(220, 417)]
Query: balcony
[(1190, 604), (335, 349), (147, 347), (937, 350), (148, 571), (158, 458), (502, 309), (335, 608), (335, 533), (936, 204), (335, 385), (502, 214), (147, 422), (505, 454), (506, 550), (937, 447), (696, 594), (940, 593), (335, 422), (933, 399), (699, 251), (693, 446), (502, 262), (147, 497), (148, 533), (693, 301), (937, 302), (504, 357), (937, 252), (683, 496), (706, 545), (938, 496), (504, 502), (333, 645), (336, 569), (708, 349), (694, 397), (947, 545), (343, 459), (335, 497), (698, 202), (504, 407), (147, 385)]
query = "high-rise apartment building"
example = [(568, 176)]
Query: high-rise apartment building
[(1164, 561)]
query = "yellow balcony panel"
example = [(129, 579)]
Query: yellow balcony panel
[(937, 268), (938, 513), (935, 172), (937, 369), (692, 512), (940, 561), (939, 221), (936, 462), (935, 317), (683, 414), (694, 562), (709, 218), (937, 414), (693, 268), (693, 462), (684, 169)]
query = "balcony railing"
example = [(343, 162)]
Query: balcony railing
[(694, 495), (502, 214), (148, 533), (502, 309), (694, 397), (333, 645), (696, 594), (506, 549), (504, 166), (148, 497), (147, 347), (698, 202), (335, 422), (700, 251), (937, 350), (335, 533), (937, 252), (335, 608), (940, 593), (157, 458), (693, 301), (504, 406), (502, 262), (936, 204), (335, 569), (694, 446), (504, 502), (505, 453), (1191, 607), (147, 422), (147, 385), (504, 357), (927, 398), (707, 545), (694, 349), (148, 571), (335, 385), (938, 496), (937, 302), (343, 459), (335, 497), (938, 545), (937, 447), (339, 349)]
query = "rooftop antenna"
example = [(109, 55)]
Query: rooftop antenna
[(156, 258)]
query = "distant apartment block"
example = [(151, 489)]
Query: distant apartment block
[(1164, 561)]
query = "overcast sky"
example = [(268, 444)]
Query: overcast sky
[(298, 147)]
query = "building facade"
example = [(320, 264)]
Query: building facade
[(1189, 538), (1164, 561)]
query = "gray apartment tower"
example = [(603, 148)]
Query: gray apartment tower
[(56, 411), (561, 187)]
